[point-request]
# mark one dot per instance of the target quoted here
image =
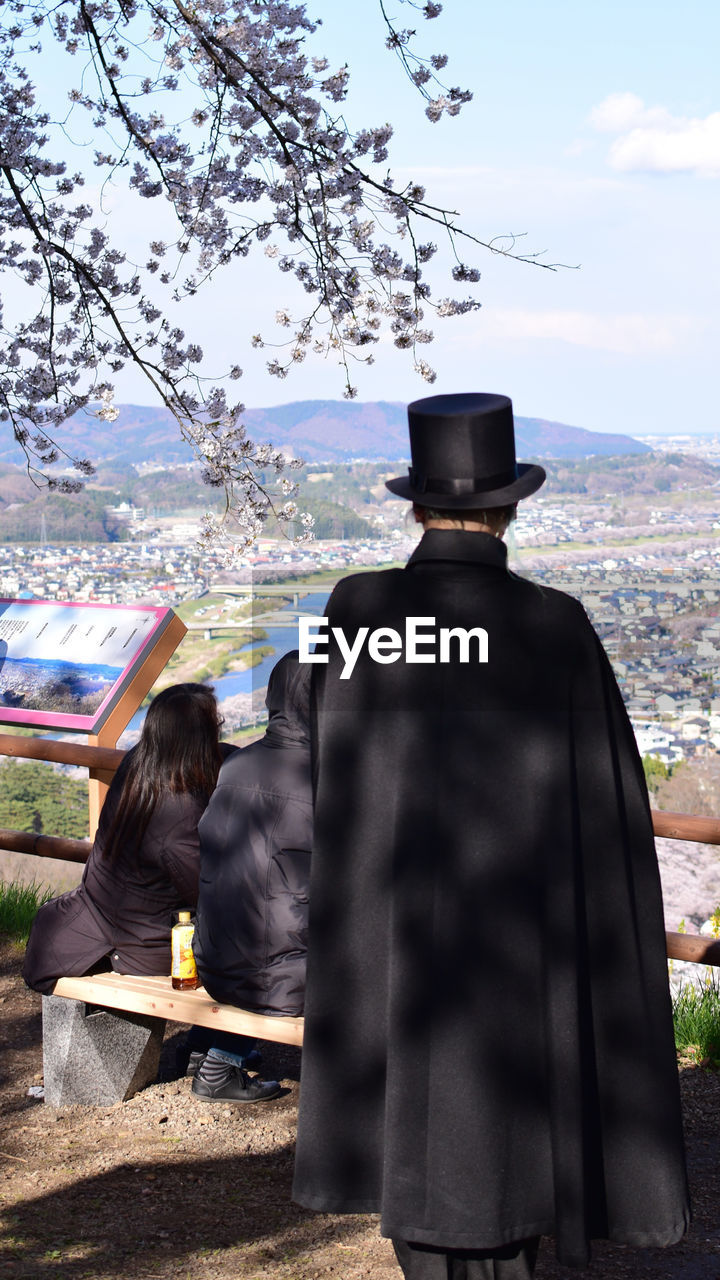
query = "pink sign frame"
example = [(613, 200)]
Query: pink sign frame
[(85, 652)]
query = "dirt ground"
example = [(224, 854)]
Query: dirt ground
[(165, 1188)]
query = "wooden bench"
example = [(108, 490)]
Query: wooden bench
[(102, 1034)]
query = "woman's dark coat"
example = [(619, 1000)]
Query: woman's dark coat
[(256, 835), (122, 910), (489, 1051)]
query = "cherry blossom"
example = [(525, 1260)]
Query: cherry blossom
[(229, 115)]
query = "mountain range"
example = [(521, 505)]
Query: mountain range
[(316, 430)]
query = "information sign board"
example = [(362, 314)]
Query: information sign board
[(67, 665)]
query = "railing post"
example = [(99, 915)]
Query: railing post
[(98, 781)]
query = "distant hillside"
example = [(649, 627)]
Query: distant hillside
[(317, 430), (337, 430), (340, 495), (334, 430), (537, 438), (57, 517), (608, 477)]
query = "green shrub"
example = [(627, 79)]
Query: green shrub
[(696, 1017), (656, 771), (18, 906), (35, 797)]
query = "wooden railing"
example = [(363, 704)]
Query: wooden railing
[(44, 846), (685, 826), (673, 826), (78, 753), (104, 759)]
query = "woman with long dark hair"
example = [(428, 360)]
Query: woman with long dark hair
[(145, 861)]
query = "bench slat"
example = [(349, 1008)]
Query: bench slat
[(155, 997)]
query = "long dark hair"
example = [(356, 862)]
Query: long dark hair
[(178, 751)]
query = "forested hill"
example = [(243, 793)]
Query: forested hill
[(317, 430), (658, 473), (338, 495)]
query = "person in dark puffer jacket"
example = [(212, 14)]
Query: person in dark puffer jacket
[(255, 842)]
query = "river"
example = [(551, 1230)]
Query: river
[(282, 639)]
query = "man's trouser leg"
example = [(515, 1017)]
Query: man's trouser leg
[(511, 1262)]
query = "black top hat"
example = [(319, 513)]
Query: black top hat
[(463, 454)]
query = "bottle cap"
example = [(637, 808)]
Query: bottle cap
[(183, 917)]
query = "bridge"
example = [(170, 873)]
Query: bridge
[(294, 593)]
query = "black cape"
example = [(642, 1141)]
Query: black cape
[(489, 1052)]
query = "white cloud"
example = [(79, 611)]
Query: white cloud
[(623, 111), (652, 140), (627, 334)]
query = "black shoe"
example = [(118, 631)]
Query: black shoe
[(182, 1061), (187, 1061), (231, 1085), (195, 1061)]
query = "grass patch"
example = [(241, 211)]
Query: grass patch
[(18, 907), (243, 737), (606, 547), (218, 610), (199, 660), (696, 1017)]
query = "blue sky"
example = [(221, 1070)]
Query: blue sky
[(594, 130)]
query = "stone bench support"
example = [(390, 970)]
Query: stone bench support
[(97, 1056)]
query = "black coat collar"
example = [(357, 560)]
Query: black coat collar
[(460, 544)]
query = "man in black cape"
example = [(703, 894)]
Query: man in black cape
[(489, 1053)]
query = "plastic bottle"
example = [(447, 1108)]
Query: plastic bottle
[(183, 971)]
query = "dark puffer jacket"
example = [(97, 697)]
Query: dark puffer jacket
[(255, 841)]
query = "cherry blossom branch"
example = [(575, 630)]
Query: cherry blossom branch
[(272, 168)]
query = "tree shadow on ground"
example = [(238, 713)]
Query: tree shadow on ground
[(132, 1222)]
